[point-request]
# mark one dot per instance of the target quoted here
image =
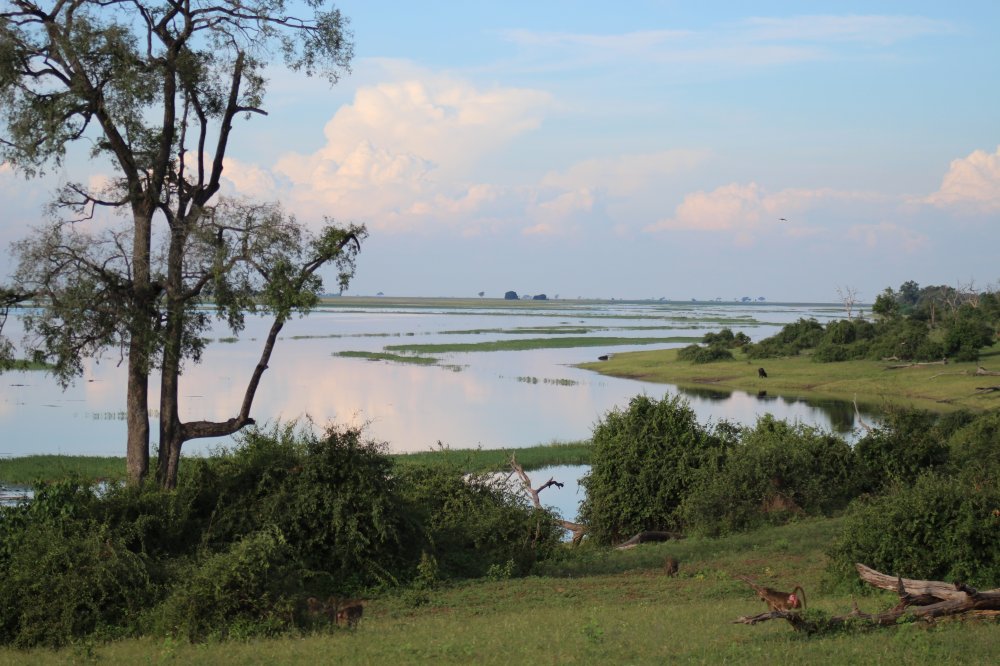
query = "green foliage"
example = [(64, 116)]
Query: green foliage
[(699, 354), (973, 446), (475, 522), (789, 341), (907, 443), (726, 338), (777, 471), (65, 575), (644, 461), (247, 535), (968, 332), (938, 528), (246, 590)]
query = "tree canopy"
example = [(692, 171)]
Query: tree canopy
[(152, 90)]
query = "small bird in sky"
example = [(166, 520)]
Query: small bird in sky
[(781, 219)]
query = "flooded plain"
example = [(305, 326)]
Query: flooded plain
[(466, 399)]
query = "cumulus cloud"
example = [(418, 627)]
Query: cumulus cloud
[(971, 184), (624, 175), (402, 152), (747, 210)]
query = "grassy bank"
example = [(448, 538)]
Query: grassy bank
[(535, 343), (597, 606), (934, 387), (27, 469)]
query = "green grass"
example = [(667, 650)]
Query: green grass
[(936, 387), (25, 365), (534, 343), (483, 460), (385, 356), (28, 469), (597, 606)]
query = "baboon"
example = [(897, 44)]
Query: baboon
[(342, 612), (670, 566), (777, 600), (761, 373), (350, 615)]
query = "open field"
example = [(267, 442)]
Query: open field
[(596, 606), (934, 387)]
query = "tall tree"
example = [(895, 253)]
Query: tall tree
[(148, 84)]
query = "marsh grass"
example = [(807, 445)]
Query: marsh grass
[(534, 343), (385, 356), (29, 469), (596, 606), (936, 387)]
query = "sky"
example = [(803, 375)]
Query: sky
[(670, 149)]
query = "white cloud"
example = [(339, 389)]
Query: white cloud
[(971, 184), (624, 175), (747, 210)]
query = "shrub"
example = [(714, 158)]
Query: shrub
[(699, 354), (68, 579), (778, 471), (246, 590), (969, 332), (643, 462), (789, 341), (476, 522), (908, 443), (940, 528)]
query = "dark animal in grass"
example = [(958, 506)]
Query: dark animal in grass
[(761, 373), (670, 566), (343, 612), (350, 615), (777, 600)]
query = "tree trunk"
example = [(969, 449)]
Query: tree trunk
[(137, 415), (137, 396), (171, 431)]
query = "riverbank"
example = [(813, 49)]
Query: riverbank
[(939, 388)]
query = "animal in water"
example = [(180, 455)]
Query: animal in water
[(777, 600), (762, 373), (670, 566)]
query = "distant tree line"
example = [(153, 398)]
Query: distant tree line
[(911, 324)]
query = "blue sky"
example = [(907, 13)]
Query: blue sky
[(637, 150)]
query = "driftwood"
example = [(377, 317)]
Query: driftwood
[(988, 389), (980, 372), (902, 366), (577, 529), (857, 413), (646, 537), (922, 599)]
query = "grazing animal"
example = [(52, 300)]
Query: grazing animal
[(342, 612), (761, 373), (670, 566), (777, 600)]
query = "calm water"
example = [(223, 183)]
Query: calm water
[(487, 399)]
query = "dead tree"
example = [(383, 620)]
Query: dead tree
[(925, 600), (576, 529)]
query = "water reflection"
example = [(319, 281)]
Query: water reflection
[(488, 399), (837, 415)]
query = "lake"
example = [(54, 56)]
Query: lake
[(468, 399)]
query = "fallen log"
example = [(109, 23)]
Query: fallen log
[(902, 366), (987, 389), (922, 599), (647, 536)]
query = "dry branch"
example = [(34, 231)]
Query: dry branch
[(577, 529), (902, 366), (646, 536)]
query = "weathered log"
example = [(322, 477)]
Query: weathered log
[(647, 536), (988, 389), (902, 366), (922, 599)]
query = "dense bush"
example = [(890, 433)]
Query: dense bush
[(969, 331), (789, 341), (939, 528), (726, 338), (475, 522), (644, 460), (777, 471), (907, 443), (699, 354), (247, 536)]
